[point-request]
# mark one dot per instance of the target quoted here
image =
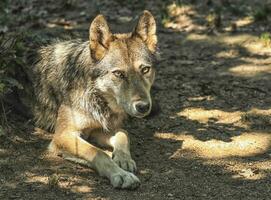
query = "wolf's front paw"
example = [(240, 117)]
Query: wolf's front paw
[(124, 161), (124, 180)]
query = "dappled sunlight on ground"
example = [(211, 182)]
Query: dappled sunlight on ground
[(253, 140), (62, 22), (245, 21), (241, 170), (204, 116), (235, 39), (183, 16), (247, 54), (246, 119), (253, 172), (249, 70), (247, 144), (76, 184), (249, 42), (34, 178), (227, 155)]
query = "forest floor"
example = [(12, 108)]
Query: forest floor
[(212, 136)]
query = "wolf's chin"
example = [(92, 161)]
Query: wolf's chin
[(139, 115)]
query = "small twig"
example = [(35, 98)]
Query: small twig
[(7, 44), (4, 112), (216, 129)]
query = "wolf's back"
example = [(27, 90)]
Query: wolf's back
[(46, 103), (55, 73)]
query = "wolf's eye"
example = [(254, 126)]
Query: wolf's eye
[(119, 74), (145, 69)]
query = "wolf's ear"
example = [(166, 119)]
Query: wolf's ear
[(146, 30), (100, 37)]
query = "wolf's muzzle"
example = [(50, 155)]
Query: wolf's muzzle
[(142, 107)]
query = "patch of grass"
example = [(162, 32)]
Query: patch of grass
[(265, 38), (261, 13), (53, 180), (214, 19), (237, 10), (4, 19), (171, 11), (165, 18)]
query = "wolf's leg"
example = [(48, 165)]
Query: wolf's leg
[(73, 144), (121, 151), (121, 148)]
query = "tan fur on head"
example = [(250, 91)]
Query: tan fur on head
[(146, 30), (100, 37)]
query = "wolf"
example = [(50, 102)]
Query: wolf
[(85, 89)]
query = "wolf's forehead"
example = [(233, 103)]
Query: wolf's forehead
[(129, 52)]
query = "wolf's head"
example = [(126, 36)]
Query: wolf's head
[(124, 64)]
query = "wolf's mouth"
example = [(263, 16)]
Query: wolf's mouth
[(139, 115)]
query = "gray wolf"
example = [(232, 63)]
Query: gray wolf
[(84, 91)]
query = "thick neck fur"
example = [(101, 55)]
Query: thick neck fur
[(92, 103), (86, 97)]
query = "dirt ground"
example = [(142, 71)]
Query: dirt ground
[(211, 138)]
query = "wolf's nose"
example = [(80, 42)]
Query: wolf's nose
[(142, 107)]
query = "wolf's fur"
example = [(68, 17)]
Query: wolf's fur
[(85, 89), (65, 75)]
